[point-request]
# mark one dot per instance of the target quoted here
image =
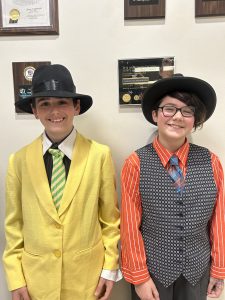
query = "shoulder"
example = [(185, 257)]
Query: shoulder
[(197, 147), (94, 145), (132, 161), (22, 151)]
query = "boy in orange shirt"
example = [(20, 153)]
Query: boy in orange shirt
[(173, 204)]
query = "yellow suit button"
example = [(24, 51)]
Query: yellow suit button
[(57, 253), (58, 226)]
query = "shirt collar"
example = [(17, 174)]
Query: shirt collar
[(66, 146), (165, 155)]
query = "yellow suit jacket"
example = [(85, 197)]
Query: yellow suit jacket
[(60, 255)]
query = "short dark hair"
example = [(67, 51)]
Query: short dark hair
[(190, 99)]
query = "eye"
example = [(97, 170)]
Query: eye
[(43, 103), (188, 110), (169, 108), (63, 102)]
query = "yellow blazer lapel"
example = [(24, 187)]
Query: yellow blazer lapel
[(38, 176), (77, 167)]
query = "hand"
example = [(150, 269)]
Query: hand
[(20, 294), (147, 290), (104, 289), (215, 287)]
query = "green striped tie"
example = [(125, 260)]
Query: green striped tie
[(58, 179)]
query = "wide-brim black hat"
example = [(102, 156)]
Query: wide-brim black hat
[(180, 83), (53, 81)]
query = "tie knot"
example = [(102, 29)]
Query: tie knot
[(56, 153), (174, 160)]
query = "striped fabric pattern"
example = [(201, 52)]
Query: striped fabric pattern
[(58, 179)]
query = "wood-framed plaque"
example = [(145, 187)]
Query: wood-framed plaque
[(22, 78), (135, 75), (29, 17), (208, 8), (144, 9)]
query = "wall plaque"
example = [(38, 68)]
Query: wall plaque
[(135, 75), (207, 8), (22, 77), (144, 9), (30, 17)]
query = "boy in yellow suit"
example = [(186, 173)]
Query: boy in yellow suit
[(62, 218)]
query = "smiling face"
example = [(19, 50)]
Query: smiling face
[(56, 115), (172, 130)]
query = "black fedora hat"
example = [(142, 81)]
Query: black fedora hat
[(53, 81), (180, 83)]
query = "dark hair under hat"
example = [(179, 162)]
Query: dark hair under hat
[(53, 81), (178, 83)]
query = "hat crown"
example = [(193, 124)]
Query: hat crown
[(52, 78)]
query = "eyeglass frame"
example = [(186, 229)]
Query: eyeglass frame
[(178, 109)]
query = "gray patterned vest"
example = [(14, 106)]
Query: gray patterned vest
[(175, 227)]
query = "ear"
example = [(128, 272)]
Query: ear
[(77, 108), (155, 116)]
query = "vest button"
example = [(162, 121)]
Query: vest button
[(179, 202), (180, 227), (57, 253), (178, 261), (181, 250), (180, 238), (180, 214)]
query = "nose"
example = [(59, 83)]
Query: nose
[(178, 114), (54, 107)]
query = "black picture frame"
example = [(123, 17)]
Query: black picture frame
[(135, 75)]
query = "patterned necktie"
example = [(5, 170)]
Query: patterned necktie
[(58, 179), (176, 174)]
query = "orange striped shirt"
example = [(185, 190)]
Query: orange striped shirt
[(133, 257)]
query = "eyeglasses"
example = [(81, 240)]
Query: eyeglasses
[(170, 111)]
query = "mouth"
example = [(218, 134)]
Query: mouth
[(176, 126), (56, 121)]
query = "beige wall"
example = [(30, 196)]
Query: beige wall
[(93, 36)]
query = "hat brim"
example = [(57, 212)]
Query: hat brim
[(25, 103), (163, 87)]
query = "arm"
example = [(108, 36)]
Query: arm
[(133, 257), (109, 220), (13, 229), (217, 233)]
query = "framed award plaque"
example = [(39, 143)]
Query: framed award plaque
[(135, 75), (207, 8), (144, 9), (22, 77), (20, 17)]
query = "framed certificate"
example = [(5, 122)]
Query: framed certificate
[(22, 78), (135, 75), (29, 17), (144, 9), (208, 8)]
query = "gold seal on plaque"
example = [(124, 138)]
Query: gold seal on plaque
[(14, 15), (28, 73), (136, 97), (126, 98)]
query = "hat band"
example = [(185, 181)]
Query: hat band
[(52, 85)]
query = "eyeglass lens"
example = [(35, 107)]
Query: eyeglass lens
[(170, 111)]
